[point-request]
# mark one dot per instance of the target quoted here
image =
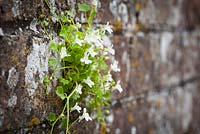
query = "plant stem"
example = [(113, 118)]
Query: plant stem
[(64, 67), (46, 32), (68, 98), (73, 123), (67, 127), (59, 117)]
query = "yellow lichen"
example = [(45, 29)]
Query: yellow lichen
[(117, 26), (137, 6), (130, 118), (34, 122), (8, 126), (103, 128), (151, 132), (136, 64)]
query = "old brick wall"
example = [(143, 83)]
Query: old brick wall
[(157, 44)]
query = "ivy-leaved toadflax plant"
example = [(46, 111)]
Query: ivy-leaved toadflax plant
[(81, 56)]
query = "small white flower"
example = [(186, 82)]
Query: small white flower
[(89, 82), (79, 88), (110, 50), (109, 77), (86, 60), (114, 66), (106, 41), (91, 52), (85, 115), (76, 107), (78, 25), (118, 87), (95, 2), (78, 41), (94, 67), (63, 53), (94, 38), (107, 86), (108, 28)]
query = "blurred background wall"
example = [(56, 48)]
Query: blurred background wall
[(157, 43)]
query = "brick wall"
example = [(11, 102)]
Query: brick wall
[(157, 44)]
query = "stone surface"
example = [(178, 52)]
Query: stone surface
[(156, 43)]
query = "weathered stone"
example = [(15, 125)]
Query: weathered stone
[(157, 46)]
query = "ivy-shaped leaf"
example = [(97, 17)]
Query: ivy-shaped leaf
[(60, 92), (106, 95), (63, 18), (102, 65), (70, 13), (84, 7), (63, 81), (75, 96), (52, 62), (64, 122), (52, 117), (53, 47), (92, 15), (100, 115), (46, 80)]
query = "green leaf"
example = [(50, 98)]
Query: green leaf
[(70, 13), (102, 64), (84, 7), (64, 123), (44, 23), (74, 76), (98, 92), (46, 80), (75, 96), (60, 92), (107, 95), (52, 62), (64, 81), (100, 115), (53, 47), (92, 15), (107, 111), (67, 32), (52, 117), (63, 18), (69, 58)]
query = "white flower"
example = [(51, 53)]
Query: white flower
[(85, 115), (92, 52), (108, 28), (86, 60), (110, 50), (78, 25), (78, 41), (63, 53), (94, 66), (118, 87), (76, 107), (79, 88), (95, 2), (94, 38), (107, 86), (89, 82), (106, 41), (114, 66), (108, 77)]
